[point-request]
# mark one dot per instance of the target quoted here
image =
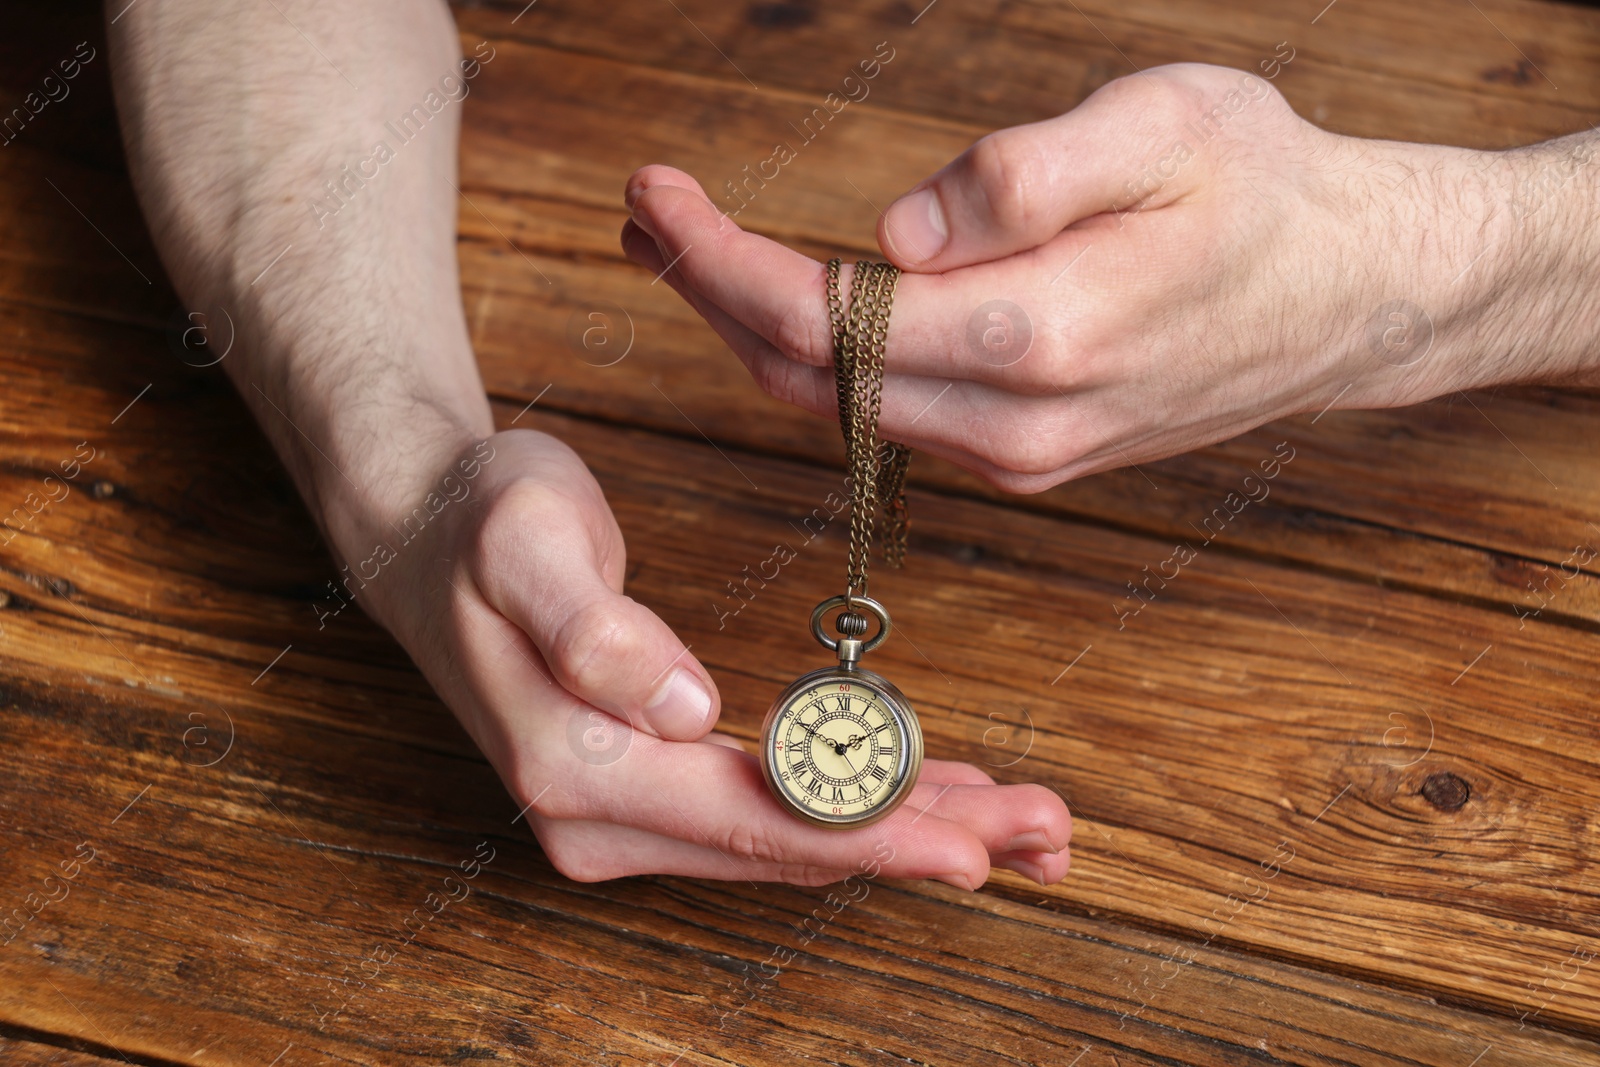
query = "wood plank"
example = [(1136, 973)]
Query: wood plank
[(1165, 714), (1498, 74), (22, 1053), (1191, 744), (1210, 730), (530, 967), (1341, 516), (266, 923)]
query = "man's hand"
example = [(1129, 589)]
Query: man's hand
[(254, 161), (599, 720), (1178, 260)]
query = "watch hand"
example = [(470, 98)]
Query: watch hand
[(830, 742)]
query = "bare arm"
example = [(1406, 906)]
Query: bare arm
[(354, 355), (352, 348)]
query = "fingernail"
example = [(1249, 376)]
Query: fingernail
[(681, 705), (1032, 841), (1023, 867), (959, 880), (916, 226), (642, 220)]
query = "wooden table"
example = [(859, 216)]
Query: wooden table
[(1336, 787)]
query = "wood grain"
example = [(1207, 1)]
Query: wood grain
[(1213, 686), (1343, 514), (1335, 799), (365, 813), (1422, 72), (30, 1054)]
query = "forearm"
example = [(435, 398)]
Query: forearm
[(350, 344), (1548, 297), (1471, 269)]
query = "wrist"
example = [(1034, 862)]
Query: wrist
[(1490, 270), (378, 540), (1549, 306), (369, 437)]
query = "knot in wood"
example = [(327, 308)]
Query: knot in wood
[(1446, 791)]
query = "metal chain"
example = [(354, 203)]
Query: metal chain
[(877, 469)]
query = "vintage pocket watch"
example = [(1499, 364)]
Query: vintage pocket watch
[(841, 746)]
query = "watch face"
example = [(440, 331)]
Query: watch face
[(841, 748)]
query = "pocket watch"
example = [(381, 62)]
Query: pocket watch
[(841, 746)]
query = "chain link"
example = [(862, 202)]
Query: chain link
[(877, 469)]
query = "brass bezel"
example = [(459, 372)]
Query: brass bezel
[(901, 712)]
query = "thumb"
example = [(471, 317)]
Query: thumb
[(603, 647), (1017, 188), (616, 654)]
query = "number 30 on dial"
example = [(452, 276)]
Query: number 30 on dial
[(841, 748)]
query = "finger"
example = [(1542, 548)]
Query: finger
[(949, 772), (539, 567), (812, 388), (1017, 188), (658, 174), (588, 851), (1046, 868), (942, 831), (744, 342), (717, 737), (941, 326), (711, 796), (1014, 441), (619, 656), (641, 248), (1023, 444), (1005, 818), (752, 278)]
